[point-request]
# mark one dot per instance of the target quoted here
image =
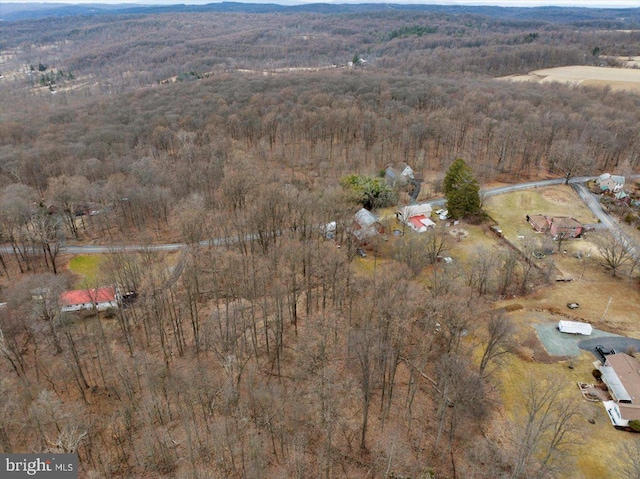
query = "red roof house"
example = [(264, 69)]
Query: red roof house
[(98, 298)]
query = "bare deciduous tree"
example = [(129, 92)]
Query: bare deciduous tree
[(615, 252), (546, 430), (571, 158), (499, 341), (68, 192)]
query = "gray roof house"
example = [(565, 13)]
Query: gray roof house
[(609, 182)]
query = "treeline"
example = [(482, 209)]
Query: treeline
[(623, 18), (123, 52)]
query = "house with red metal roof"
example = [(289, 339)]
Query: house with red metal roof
[(95, 298)]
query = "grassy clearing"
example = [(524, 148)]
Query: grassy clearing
[(510, 209), (480, 238), (87, 267)]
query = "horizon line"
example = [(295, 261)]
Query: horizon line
[(594, 4)]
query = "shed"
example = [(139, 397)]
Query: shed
[(574, 327), (365, 218)]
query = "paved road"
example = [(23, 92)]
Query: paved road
[(577, 183), (594, 205)]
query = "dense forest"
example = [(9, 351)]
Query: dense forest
[(275, 351)]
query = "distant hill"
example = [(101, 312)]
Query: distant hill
[(628, 18)]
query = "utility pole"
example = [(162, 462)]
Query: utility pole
[(606, 309)]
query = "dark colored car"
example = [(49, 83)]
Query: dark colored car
[(604, 352)]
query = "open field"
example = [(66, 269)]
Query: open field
[(593, 285), (615, 78), (510, 210)]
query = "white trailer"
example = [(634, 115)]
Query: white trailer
[(573, 327)]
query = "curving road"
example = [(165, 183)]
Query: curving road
[(594, 205), (577, 183)]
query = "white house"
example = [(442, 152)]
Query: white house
[(416, 217), (96, 298), (397, 177), (609, 182), (621, 374)]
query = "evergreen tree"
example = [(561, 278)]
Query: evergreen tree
[(461, 190)]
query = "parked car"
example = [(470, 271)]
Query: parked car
[(361, 253), (602, 351)]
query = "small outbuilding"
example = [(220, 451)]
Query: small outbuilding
[(366, 225), (574, 327)]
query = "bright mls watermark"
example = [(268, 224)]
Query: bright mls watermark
[(49, 466)]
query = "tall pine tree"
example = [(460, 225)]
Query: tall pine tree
[(461, 190)]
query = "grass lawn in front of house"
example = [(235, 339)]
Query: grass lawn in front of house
[(510, 210), (87, 268)]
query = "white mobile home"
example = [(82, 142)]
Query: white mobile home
[(573, 327)]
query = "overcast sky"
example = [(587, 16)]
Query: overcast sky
[(503, 3)]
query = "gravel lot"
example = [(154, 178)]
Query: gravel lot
[(562, 344)]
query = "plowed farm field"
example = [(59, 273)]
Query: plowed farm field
[(615, 78)]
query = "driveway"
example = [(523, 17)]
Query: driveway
[(619, 343), (562, 344)]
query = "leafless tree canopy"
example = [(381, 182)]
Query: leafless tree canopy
[(266, 347)]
